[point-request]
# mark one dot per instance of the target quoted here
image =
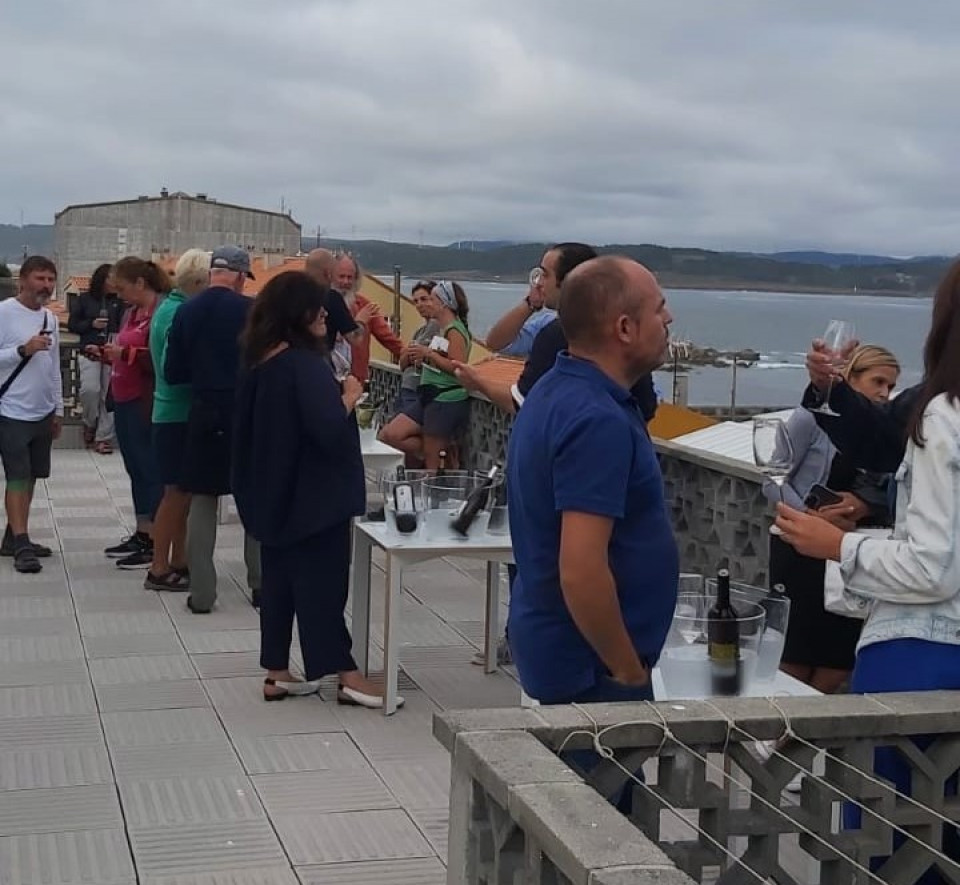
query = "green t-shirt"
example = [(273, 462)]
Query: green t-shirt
[(451, 391), (171, 402)]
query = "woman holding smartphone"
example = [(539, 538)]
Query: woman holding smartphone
[(820, 646)]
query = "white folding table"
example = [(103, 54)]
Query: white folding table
[(404, 550), (377, 455)]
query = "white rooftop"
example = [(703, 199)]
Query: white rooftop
[(732, 439)]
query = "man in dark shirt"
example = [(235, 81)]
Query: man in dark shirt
[(203, 350), (556, 263), (320, 265), (872, 436)]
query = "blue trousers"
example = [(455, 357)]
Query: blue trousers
[(906, 665), (135, 436), (606, 690)]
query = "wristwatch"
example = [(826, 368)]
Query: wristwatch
[(530, 306), (22, 352)]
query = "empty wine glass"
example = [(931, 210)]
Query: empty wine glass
[(837, 339), (773, 452)]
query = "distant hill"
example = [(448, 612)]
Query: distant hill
[(803, 271), (32, 238)]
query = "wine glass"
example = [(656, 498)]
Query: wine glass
[(773, 452), (839, 336)]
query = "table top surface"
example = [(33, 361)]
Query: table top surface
[(783, 685), (373, 447), (386, 538)]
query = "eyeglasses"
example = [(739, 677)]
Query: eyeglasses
[(537, 276)]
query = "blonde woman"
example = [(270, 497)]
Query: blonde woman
[(820, 646), (171, 407)]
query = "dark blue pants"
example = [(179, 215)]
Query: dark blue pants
[(906, 665), (309, 579), (135, 437), (606, 690)]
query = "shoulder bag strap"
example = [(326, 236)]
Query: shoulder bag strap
[(22, 364)]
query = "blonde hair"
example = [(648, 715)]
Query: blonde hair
[(869, 356), (193, 267)]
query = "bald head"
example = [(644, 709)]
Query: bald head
[(614, 305), (319, 265)]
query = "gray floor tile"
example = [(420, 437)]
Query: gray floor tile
[(85, 857), (235, 618), (59, 625), (124, 623), (205, 848), (315, 792), (423, 629), (436, 656), (24, 649), (209, 641), (413, 871), (434, 823), (219, 665), (171, 695), (141, 644), (161, 727), (417, 785), (471, 631), (59, 810), (55, 587), (467, 687), (237, 691), (181, 801), (33, 607), (141, 668), (299, 752), (44, 673), (54, 766), (292, 716), (352, 835), (46, 700), (272, 876), (28, 732), (159, 762), (104, 603)]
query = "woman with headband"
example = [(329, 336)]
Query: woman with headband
[(428, 425)]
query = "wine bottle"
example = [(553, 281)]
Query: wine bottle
[(474, 504), (723, 641), (403, 503), (442, 466)]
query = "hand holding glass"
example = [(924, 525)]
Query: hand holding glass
[(773, 452), (837, 340)]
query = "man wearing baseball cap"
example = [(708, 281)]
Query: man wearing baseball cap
[(203, 350)]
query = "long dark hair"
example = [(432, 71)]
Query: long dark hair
[(941, 353), (282, 314), (98, 281)]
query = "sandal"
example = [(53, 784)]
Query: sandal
[(89, 434), (103, 448)]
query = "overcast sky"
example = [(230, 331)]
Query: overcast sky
[(746, 124)]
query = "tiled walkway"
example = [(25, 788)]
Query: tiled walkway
[(134, 746)]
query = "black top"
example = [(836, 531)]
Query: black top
[(203, 348), (86, 308), (297, 468), (870, 435), (339, 319), (549, 342)]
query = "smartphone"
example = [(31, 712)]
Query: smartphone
[(820, 496)]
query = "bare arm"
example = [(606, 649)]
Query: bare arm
[(506, 329), (590, 593)]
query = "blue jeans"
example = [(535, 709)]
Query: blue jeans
[(606, 690), (905, 665), (134, 434)]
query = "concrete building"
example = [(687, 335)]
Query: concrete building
[(89, 234)]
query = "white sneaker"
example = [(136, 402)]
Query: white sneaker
[(796, 783), (352, 697)]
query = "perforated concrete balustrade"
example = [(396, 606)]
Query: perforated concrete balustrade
[(518, 813)]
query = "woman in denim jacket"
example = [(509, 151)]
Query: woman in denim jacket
[(911, 638)]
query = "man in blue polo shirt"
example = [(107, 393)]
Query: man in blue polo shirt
[(596, 558)]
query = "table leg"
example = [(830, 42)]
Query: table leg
[(492, 634), (391, 617), (360, 611)]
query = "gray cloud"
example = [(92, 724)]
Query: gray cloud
[(744, 124)]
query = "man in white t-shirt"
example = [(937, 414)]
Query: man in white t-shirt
[(31, 402)]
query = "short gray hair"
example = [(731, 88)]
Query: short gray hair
[(192, 267)]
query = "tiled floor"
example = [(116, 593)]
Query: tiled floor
[(134, 746)]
